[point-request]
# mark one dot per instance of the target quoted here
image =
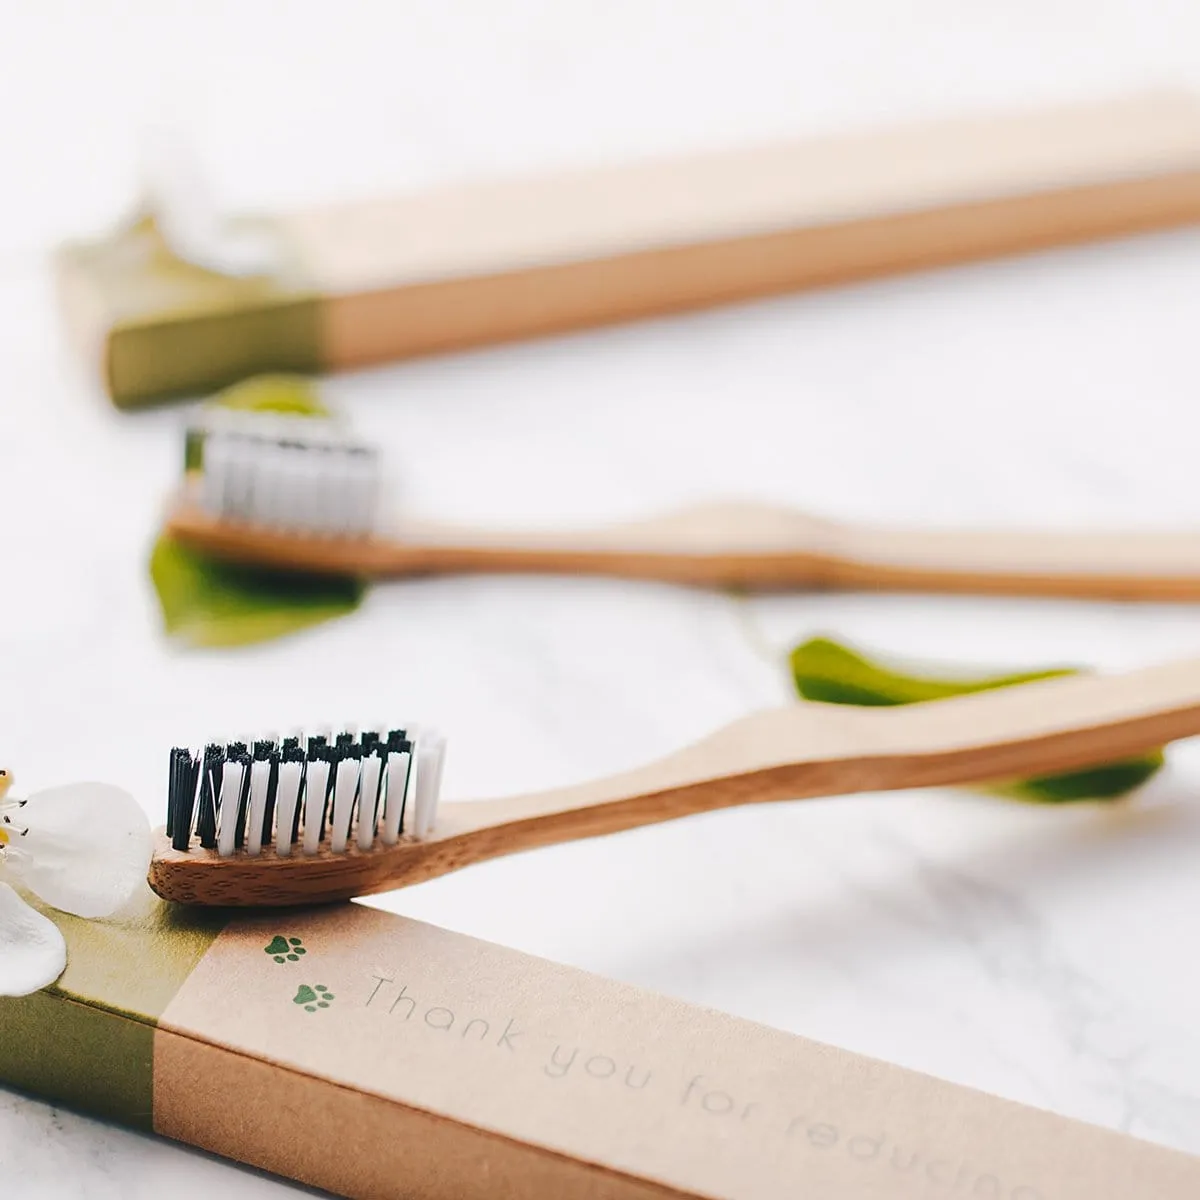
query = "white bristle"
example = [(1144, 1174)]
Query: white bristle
[(265, 509), (397, 780), (290, 774), (344, 484), (212, 487), (260, 777), (361, 488), (327, 791), (333, 492), (231, 790), (316, 787), (410, 792), (437, 783), (368, 801), (294, 473), (430, 752), (290, 495), (239, 480), (345, 786), (315, 485)]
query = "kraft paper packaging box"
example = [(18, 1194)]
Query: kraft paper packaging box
[(375, 1056), (368, 282)]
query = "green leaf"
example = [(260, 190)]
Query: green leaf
[(274, 393), (209, 604), (827, 671), (1108, 782)]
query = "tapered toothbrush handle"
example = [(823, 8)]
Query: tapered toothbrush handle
[(761, 547), (810, 750), (803, 751), (747, 545)]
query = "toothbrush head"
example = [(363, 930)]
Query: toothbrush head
[(304, 797), (297, 474)]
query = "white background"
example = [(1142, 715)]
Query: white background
[(1048, 956)]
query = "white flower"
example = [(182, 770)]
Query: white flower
[(32, 951), (84, 849)]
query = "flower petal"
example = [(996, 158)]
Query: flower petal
[(87, 850), (32, 951)]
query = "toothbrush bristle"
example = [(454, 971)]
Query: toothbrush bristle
[(289, 472), (316, 793)]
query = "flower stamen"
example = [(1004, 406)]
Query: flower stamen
[(7, 826)]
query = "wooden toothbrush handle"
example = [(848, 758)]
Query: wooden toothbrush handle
[(1097, 566), (793, 753), (1101, 565), (810, 750), (759, 546), (743, 545)]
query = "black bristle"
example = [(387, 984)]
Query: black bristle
[(173, 787), (293, 753), (182, 797), (403, 746), (195, 801), (243, 801), (332, 755), (272, 792), (210, 796), (297, 817), (355, 751), (183, 830)]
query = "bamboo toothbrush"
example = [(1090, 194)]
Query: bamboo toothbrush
[(339, 816), (294, 493)]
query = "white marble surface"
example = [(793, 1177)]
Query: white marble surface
[(1049, 956)]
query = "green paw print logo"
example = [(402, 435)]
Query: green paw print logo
[(284, 950), (312, 998)]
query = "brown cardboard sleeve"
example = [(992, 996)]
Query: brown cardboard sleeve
[(492, 261), (375, 1056)]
